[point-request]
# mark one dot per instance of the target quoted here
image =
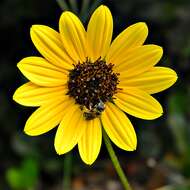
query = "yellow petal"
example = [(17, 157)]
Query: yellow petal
[(90, 142), (41, 72), (152, 81), (46, 117), (131, 37), (49, 44), (73, 36), (138, 103), (138, 60), (70, 130), (99, 32), (119, 128), (30, 94)]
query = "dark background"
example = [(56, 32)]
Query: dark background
[(162, 158)]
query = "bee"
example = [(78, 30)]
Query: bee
[(100, 106), (90, 115), (95, 111)]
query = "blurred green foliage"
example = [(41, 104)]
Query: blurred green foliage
[(82, 8), (25, 177), (162, 159), (179, 123)]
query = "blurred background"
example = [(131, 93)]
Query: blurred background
[(162, 159)]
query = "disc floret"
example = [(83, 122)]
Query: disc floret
[(92, 84)]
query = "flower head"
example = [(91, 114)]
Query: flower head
[(85, 83)]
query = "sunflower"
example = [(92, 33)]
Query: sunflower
[(84, 83)]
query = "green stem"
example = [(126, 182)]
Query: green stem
[(67, 172), (115, 162)]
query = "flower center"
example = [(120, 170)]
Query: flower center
[(92, 84)]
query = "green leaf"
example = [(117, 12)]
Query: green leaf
[(24, 177), (13, 177)]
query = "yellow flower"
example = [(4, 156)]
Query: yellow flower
[(84, 82)]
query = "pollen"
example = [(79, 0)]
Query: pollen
[(92, 84)]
